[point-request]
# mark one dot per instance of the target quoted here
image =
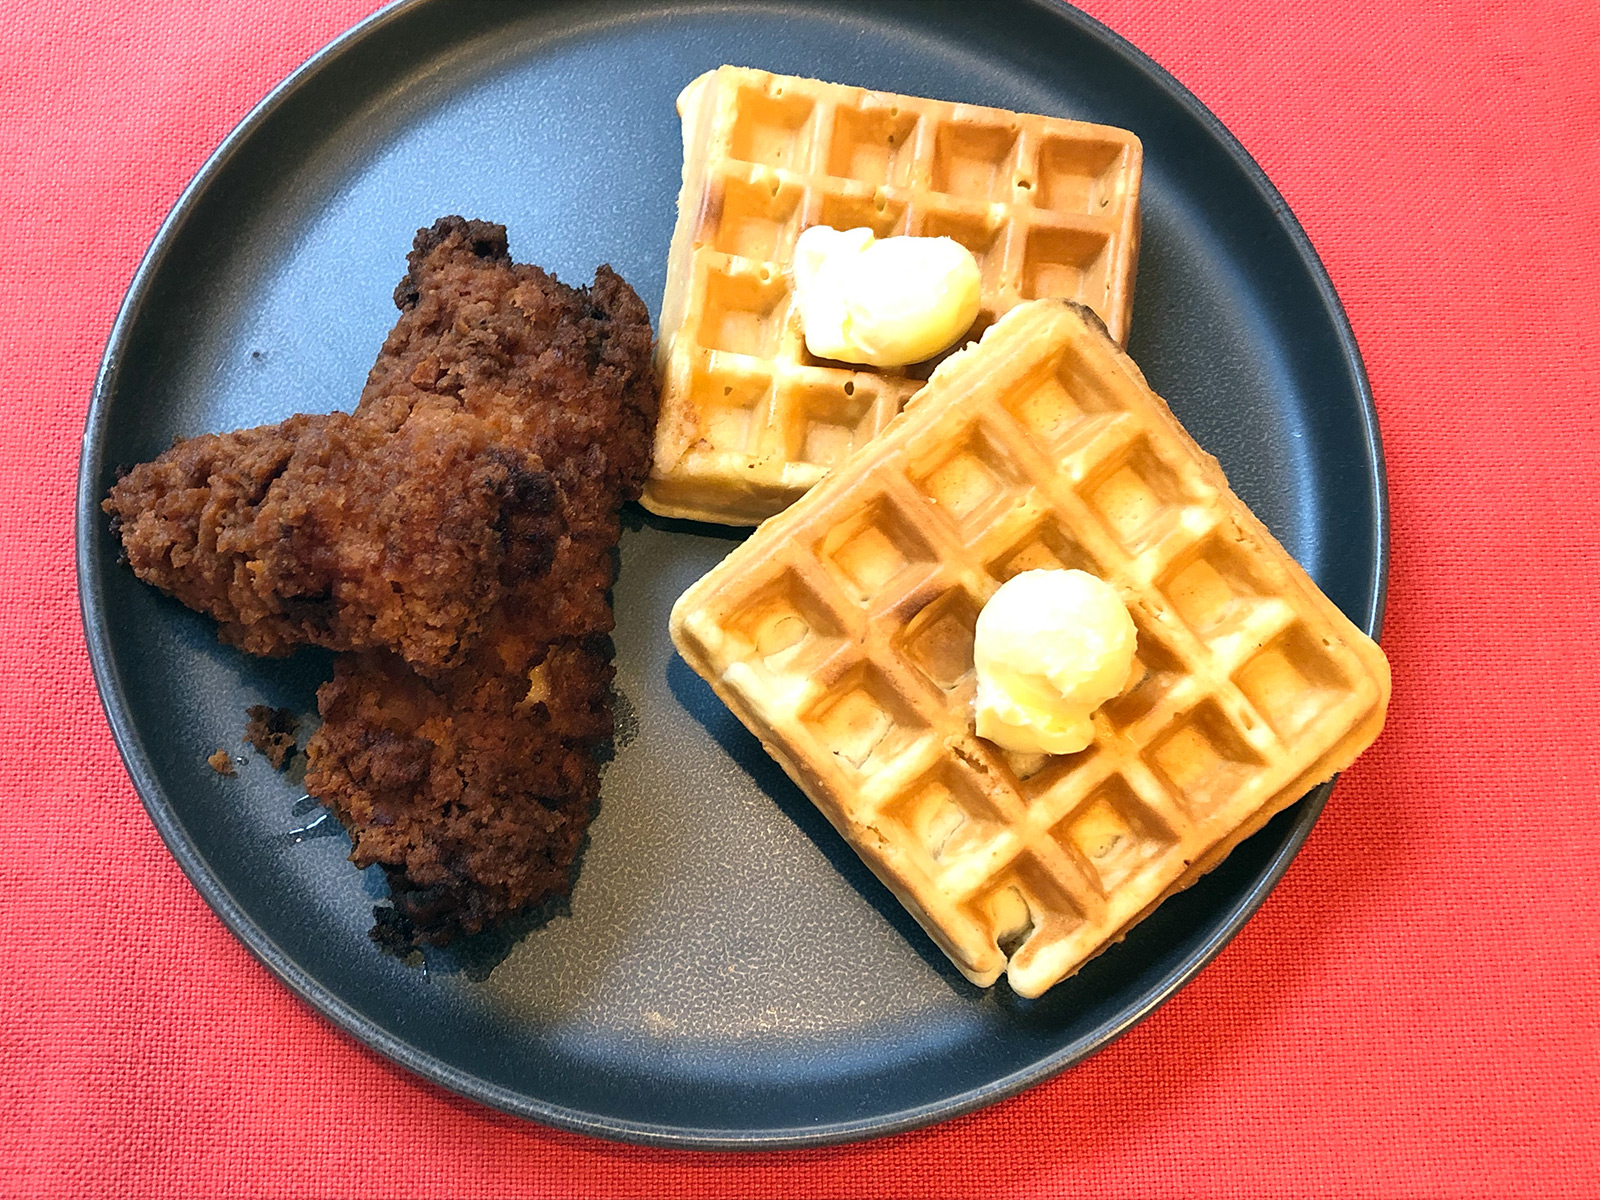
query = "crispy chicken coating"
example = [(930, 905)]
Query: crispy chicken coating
[(560, 372), (336, 531), (473, 790), (458, 532)]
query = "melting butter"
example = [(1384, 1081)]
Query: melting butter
[(884, 303)]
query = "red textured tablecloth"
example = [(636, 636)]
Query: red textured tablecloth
[(1416, 1010)]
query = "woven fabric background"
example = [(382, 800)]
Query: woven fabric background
[(1416, 1010)]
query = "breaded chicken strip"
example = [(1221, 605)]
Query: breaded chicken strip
[(470, 792), (339, 532), (560, 372), (473, 789), (459, 530)]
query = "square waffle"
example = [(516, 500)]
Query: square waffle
[(749, 418), (841, 633)]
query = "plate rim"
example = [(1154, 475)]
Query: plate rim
[(349, 1020)]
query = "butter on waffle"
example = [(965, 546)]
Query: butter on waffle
[(841, 633), (749, 418)]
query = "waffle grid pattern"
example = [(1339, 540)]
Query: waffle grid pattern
[(751, 419), (842, 632)]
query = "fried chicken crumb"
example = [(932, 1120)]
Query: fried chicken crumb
[(221, 762), (271, 731)]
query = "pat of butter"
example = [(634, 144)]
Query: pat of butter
[(884, 303), (1050, 648)]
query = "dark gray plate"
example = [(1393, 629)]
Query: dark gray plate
[(729, 974)]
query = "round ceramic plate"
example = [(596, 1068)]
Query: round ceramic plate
[(728, 973)]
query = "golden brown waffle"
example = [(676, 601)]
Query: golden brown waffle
[(841, 634), (749, 418)]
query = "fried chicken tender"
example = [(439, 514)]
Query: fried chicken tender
[(340, 532), (457, 534), (473, 789), (473, 795), (560, 372)]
